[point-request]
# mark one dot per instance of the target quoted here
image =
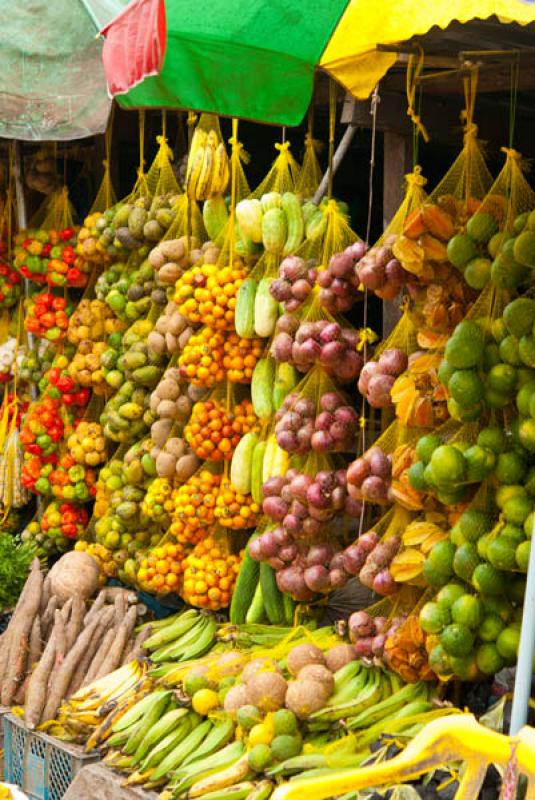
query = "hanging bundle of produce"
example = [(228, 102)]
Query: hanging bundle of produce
[(210, 572), (48, 316), (60, 524), (208, 168), (311, 174)]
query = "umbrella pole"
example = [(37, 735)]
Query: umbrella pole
[(341, 150), (524, 669), (22, 224)]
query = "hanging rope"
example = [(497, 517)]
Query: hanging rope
[(332, 128), (415, 67)]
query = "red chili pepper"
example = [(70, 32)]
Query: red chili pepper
[(65, 383), (66, 234)]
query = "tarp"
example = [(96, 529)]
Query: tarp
[(52, 82), (256, 58)]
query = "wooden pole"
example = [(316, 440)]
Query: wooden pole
[(396, 164)]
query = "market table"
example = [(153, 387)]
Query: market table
[(96, 780)]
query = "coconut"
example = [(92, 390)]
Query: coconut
[(266, 691), (235, 698), (303, 654), (319, 673), (230, 664), (305, 697), (259, 665), (338, 656)]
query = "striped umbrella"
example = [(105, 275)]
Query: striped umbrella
[(256, 58)]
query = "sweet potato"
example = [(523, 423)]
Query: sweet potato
[(137, 650), (22, 622), (62, 677)]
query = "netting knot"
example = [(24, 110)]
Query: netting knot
[(282, 147), (510, 152), (415, 178), (470, 132), (366, 336)]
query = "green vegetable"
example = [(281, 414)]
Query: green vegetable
[(15, 560)]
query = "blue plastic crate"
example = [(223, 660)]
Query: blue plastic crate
[(42, 766)]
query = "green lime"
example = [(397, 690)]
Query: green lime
[(507, 644), (488, 659), (522, 555), (498, 330), (439, 662), (448, 465), (502, 378), (445, 371), (284, 746), (248, 716), (259, 757), (499, 606), (464, 352), (465, 561), (464, 667), (487, 580), (501, 553), (480, 461), (416, 476), (510, 468), (517, 509), (457, 640), (490, 628), (473, 524), (449, 594), (526, 434), (434, 617), (506, 492), (284, 721), (467, 610), (524, 396), (466, 387), (528, 525), (492, 438), (491, 356), (426, 446), (477, 272)]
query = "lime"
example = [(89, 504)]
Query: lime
[(429, 476), (522, 555), (510, 468), (467, 610), (524, 397), (194, 682), (498, 329), (517, 509), (425, 447), (248, 716), (473, 524), (259, 757), (464, 667), (465, 561), (464, 352), (434, 576), (490, 628), (449, 594), (452, 497), (480, 462), (456, 535), (461, 250), (528, 525), (502, 378), (441, 556), (440, 662), (523, 375), (416, 476), (466, 387), (505, 493), (529, 482), (499, 606), (519, 315), (434, 617), (513, 532), (285, 746), (448, 465), (526, 351), (507, 644), (457, 640), (488, 659), (526, 434), (495, 399), (445, 371), (284, 721), (501, 553), (493, 438), (487, 580), (481, 227), (477, 273), (462, 414), (481, 546), (260, 734), (491, 356)]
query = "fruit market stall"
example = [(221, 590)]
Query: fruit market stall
[(199, 409)]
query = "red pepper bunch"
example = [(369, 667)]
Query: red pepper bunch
[(50, 257), (10, 285), (72, 481), (48, 316), (57, 383), (64, 519), (43, 428)]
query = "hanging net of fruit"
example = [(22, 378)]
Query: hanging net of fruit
[(210, 572)]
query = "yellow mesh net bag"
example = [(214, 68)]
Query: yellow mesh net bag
[(310, 174), (208, 168)]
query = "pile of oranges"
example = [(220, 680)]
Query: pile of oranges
[(213, 432), (208, 294), (87, 444), (234, 510), (161, 570), (240, 357), (194, 507), (201, 361), (210, 574)]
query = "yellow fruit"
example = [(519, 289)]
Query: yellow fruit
[(204, 701), (260, 734)]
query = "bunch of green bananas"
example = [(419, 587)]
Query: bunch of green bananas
[(184, 637)]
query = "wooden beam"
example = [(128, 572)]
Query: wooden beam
[(396, 164)]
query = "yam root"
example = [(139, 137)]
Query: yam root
[(114, 656), (60, 636), (137, 649), (47, 618), (34, 653), (37, 686), (100, 655), (120, 609), (22, 622), (74, 626), (45, 595), (62, 677), (96, 607), (105, 618)]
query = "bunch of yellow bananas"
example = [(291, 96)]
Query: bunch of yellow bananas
[(208, 171), (90, 713)]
